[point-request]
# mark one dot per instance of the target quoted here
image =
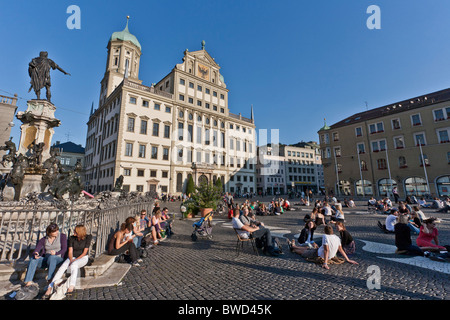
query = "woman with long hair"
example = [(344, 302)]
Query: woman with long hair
[(78, 257), (429, 234), (49, 252), (119, 244), (347, 242)]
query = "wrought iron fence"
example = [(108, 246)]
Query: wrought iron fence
[(20, 229)]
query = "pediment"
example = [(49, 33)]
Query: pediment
[(203, 56)]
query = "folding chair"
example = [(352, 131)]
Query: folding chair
[(241, 240)]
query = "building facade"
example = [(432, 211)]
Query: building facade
[(158, 136), (404, 145), (289, 168)]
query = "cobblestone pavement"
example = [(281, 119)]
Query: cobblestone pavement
[(180, 269)]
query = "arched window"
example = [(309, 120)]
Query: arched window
[(416, 186), (385, 187), (179, 182), (443, 186), (363, 188)]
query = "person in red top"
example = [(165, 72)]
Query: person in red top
[(429, 233)]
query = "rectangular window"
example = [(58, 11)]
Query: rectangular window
[(419, 139), (425, 159), (438, 115), (181, 97), (207, 138), (443, 135), (166, 131), (132, 100), (127, 172), (157, 106), (199, 134), (154, 152), (199, 88), (140, 173), (190, 133), (155, 131), (206, 90), (153, 173), (399, 142), (182, 82), (130, 127), (142, 151), (129, 149), (143, 126), (180, 131), (214, 94), (164, 174), (335, 136), (206, 105), (396, 124), (145, 103), (381, 164), (165, 153), (140, 188), (191, 85), (415, 120), (191, 100), (199, 103), (222, 96), (358, 131), (168, 109)]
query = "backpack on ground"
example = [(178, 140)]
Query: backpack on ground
[(27, 293)]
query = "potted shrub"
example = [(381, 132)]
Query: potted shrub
[(189, 208), (207, 197)]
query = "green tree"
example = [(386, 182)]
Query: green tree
[(190, 188)]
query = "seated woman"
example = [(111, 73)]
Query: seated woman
[(156, 230), (78, 257), (347, 242), (305, 238), (419, 214), (119, 243), (136, 232), (166, 221), (403, 238), (49, 252), (414, 222), (428, 234)]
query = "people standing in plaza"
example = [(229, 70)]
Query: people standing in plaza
[(119, 243), (395, 193), (78, 257), (49, 252)]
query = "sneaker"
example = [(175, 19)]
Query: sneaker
[(140, 260), (135, 264), (427, 254)]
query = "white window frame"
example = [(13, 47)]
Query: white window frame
[(395, 143), (424, 138), (412, 121), (378, 144), (399, 123), (443, 129)]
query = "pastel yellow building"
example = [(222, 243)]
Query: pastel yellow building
[(405, 145)]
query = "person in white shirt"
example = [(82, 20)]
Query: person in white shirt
[(244, 232), (331, 245), (390, 222)]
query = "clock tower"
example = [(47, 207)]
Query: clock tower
[(124, 54)]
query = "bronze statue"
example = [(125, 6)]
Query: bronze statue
[(119, 183), (39, 71), (17, 174), (53, 166), (11, 156), (67, 182), (35, 159)]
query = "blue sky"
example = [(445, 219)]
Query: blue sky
[(296, 61)]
